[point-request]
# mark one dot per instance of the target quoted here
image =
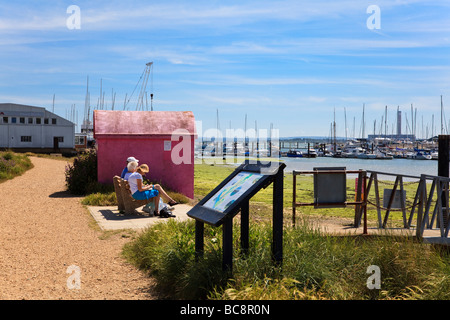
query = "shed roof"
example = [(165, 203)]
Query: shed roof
[(108, 122)]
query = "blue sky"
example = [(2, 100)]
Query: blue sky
[(292, 64)]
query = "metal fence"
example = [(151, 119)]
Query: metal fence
[(428, 207)]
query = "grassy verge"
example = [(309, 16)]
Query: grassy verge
[(51, 156), (104, 195), (13, 165), (315, 265)]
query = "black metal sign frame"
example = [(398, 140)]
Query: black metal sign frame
[(271, 172)]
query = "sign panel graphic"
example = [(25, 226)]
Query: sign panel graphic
[(229, 193)]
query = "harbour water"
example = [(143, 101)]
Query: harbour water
[(395, 166), (410, 167)]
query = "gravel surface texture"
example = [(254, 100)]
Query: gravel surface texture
[(49, 249)]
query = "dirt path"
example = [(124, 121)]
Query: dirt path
[(44, 231)]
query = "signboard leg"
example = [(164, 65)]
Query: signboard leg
[(199, 244), (245, 227), (227, 260), (277, 245)]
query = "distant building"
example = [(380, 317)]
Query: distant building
[(396, 137), (34, 129)]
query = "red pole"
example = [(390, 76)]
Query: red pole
[(365, 203)]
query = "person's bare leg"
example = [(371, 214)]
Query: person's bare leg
[(156, 204), (163, 193)]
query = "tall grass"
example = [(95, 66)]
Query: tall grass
[(315, 265), (167, 252), (13, 165)]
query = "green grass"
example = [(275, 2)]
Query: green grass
[(13, 165), (315, 265), (208, 176)]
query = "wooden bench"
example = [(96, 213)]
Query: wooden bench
[(126, 203)]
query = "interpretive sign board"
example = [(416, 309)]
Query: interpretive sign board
[(226, 199), (233, 190), (232, 196)]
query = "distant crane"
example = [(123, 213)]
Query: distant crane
[(140, 105), (143, 93)]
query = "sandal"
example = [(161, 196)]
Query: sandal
[(173, 203)]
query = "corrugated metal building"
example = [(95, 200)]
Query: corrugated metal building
[(29, 128)]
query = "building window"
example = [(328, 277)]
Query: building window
[(38, 120), (53, 120), (30, 120), (5, 119), (79, 140), (25, 139), (13, 120), (22, 120), (60, 139), (45, 120)]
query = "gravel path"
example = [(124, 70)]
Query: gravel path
[(44, 232)]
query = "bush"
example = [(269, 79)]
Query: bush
[(12, 165), (81, 176)]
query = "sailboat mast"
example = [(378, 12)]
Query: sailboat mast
[(363, 123), (334, 130), (345, 120)]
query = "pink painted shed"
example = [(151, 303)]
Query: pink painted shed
[(164, 140)]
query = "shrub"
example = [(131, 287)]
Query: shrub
[(12, 165), (81, 176)]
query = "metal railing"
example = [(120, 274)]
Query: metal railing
[(431, 208)]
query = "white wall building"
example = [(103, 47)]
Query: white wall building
[(34, 129)]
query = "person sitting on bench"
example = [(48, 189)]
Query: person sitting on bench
[(125, 170), (139, 191)]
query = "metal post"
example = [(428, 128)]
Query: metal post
[(443, 157), (443, 171), (277, 242), (365, 202), (294, 196), (227, 260), (199, 242), (358, 208), (421, 190), (245, 227)]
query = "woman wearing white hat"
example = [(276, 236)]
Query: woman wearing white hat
[(125, 170)]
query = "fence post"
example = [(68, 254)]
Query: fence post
[(294, 196), (443, 171), (420, 212), (443, 157)]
